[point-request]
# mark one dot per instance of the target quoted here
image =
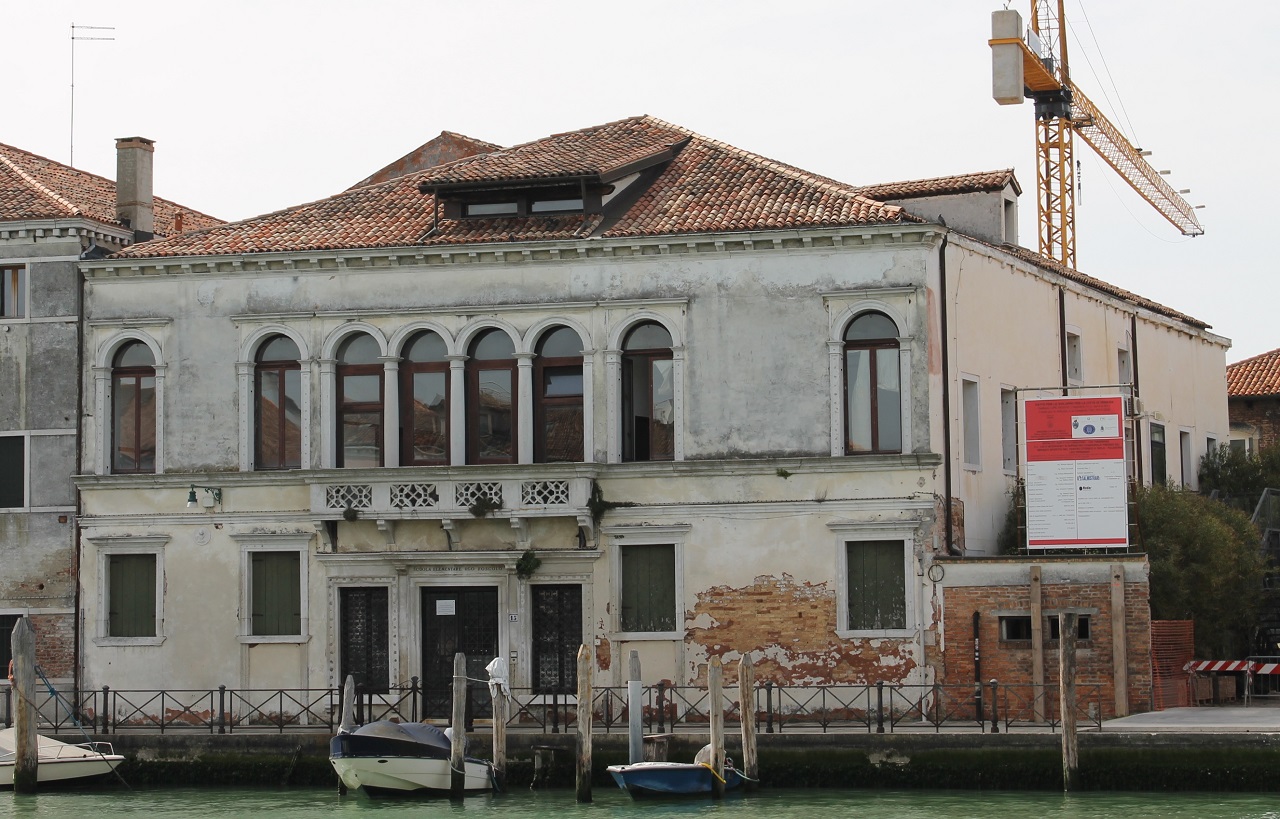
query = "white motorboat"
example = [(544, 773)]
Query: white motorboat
[(58, 762), (392, 757)]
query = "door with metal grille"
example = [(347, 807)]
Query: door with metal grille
[(458, 619), (364, 650), (557, 636)]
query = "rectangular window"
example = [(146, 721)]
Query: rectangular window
[(1124, 367), (1159, 469), (648, 592), (131, 595), (7, 624), (1082, 627), (1075, 359), (1015, 627), (13, 292), (555, 205), (877, 584), (275, 592), (13, 471), (1210, 445), (971, 421), (1187, 467), (1009, 430), (492, 208)]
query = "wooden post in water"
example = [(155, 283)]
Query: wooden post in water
[(458, 724), (715, 693), (27, 758), (635, 710), (500, 735), (1067, 698), (1037, 647), (583, 775), (747, 698)]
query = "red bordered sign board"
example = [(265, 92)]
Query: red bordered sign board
[(1075, 472)]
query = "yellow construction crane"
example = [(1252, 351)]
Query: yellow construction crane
[(1035, 66)]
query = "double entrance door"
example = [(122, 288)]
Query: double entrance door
[(466, 619)]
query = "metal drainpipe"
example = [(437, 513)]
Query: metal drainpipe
[(1062, 337), (946, 395), (76, 630), (1137, 422)]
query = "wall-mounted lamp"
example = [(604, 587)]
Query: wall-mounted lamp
[(212, 496)]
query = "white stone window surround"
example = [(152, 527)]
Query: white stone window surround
[(613, 378), (329, 392), (853, 531), (843, 308), (968, 424), (1073, 345), (103, 398), (248, 397), (638, 535), (272, 542), (334, 652), (107, 545), (470, 572)]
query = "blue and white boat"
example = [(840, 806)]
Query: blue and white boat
[(642, 779)]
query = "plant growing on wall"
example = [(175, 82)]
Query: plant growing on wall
[(484, 505), (350, 514), (598, 505), (527, 564)]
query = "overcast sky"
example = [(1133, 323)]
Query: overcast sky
[(256, 105)]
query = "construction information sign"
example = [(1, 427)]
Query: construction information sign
[(1075, 473)]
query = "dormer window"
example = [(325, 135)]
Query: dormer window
[(492, 208)]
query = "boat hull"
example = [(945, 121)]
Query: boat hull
[(644, 779), (58, 763), (382, 765)]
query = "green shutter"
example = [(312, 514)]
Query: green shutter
[(877, 584), (648, 588), (131, 595), (277, 595)]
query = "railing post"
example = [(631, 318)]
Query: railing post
[(880, 707), (662, 710), (413, 698), (222, 709), (555, 712), (106, 709), (768, 707), (995, 708), (8, 707)]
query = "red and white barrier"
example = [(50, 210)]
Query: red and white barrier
[(1232, 665)]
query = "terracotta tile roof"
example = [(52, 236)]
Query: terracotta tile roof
[(943, 185), (705, 186), (1255, 376), (447, 147), (1097, 284), (32, 187)]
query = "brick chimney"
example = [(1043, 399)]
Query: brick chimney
[(134, 203)]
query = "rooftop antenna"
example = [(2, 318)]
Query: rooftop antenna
[(76, 36)]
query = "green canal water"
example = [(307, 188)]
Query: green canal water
[(296, 803)]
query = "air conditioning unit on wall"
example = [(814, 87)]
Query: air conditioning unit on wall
[(1134, 407)]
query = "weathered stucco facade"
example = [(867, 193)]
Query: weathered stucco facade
[(764, 528)]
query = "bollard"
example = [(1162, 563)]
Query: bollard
[(747, 696), (880, 707), (1067, 698), (715, 694), (457, 724)]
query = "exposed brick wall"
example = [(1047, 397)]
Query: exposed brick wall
[(1261, 413), (789, 629), (1011, 662), (55, 643)]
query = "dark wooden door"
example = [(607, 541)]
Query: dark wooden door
[(557, 636), (364, 649), (458, 619)]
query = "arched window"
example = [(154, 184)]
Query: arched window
[(557, 408), (360, 411), (491, 399), (424, 396), (133, 409), (278, 422), (872, 385), (648, 394)]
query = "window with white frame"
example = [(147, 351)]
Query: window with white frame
[(1009, 429), (278, 408), (872, 385), (133, 409), (13, 292), (971, 422), (273, 597), (13, 472), (359, 402), (650, 581), (130, 590), (648, 394), (1075, 358), (876, 588)]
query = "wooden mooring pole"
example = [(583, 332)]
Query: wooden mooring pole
[(1067, 698), (635, 710), (715, 694), (500, 735), (583, 773), (27, 759), (747, 698), (458, 739)]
